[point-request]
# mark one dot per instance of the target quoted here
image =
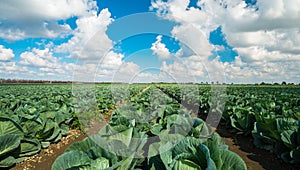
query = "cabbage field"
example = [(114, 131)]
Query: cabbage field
[(147, 126)]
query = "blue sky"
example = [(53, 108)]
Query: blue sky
[(121, 8), (113, 40)]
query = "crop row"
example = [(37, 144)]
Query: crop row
[(152, 131), (34, 116), (270, 114)]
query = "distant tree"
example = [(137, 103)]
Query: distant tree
[(263, 83), (283, 83), (275, 83), (291, 84)]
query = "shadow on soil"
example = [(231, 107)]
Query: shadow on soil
[(255, 158)]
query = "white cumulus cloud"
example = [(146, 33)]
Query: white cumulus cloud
[(89, 40), (36, 18), (158, 48), (265, 35), (39, 58), (6, 54)]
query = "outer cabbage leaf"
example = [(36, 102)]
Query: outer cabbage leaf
[(29, 147), (242, 119), (8, 143), (9, 126), (230, 160), (186, 165), (72, 159), (7, 162), (289, 138)]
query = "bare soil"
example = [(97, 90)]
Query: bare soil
[(255, 158), (46, 157)]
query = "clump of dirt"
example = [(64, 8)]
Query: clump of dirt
[(45, 158)]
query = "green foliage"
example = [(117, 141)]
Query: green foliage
[(8, 143), (34, 116), (73, 159), (269, 113), (151, 133)]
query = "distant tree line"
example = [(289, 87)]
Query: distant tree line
[(24, 81), (283, 83), (27, 81)]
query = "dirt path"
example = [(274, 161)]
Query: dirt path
[(255, 158), (46, 157)]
